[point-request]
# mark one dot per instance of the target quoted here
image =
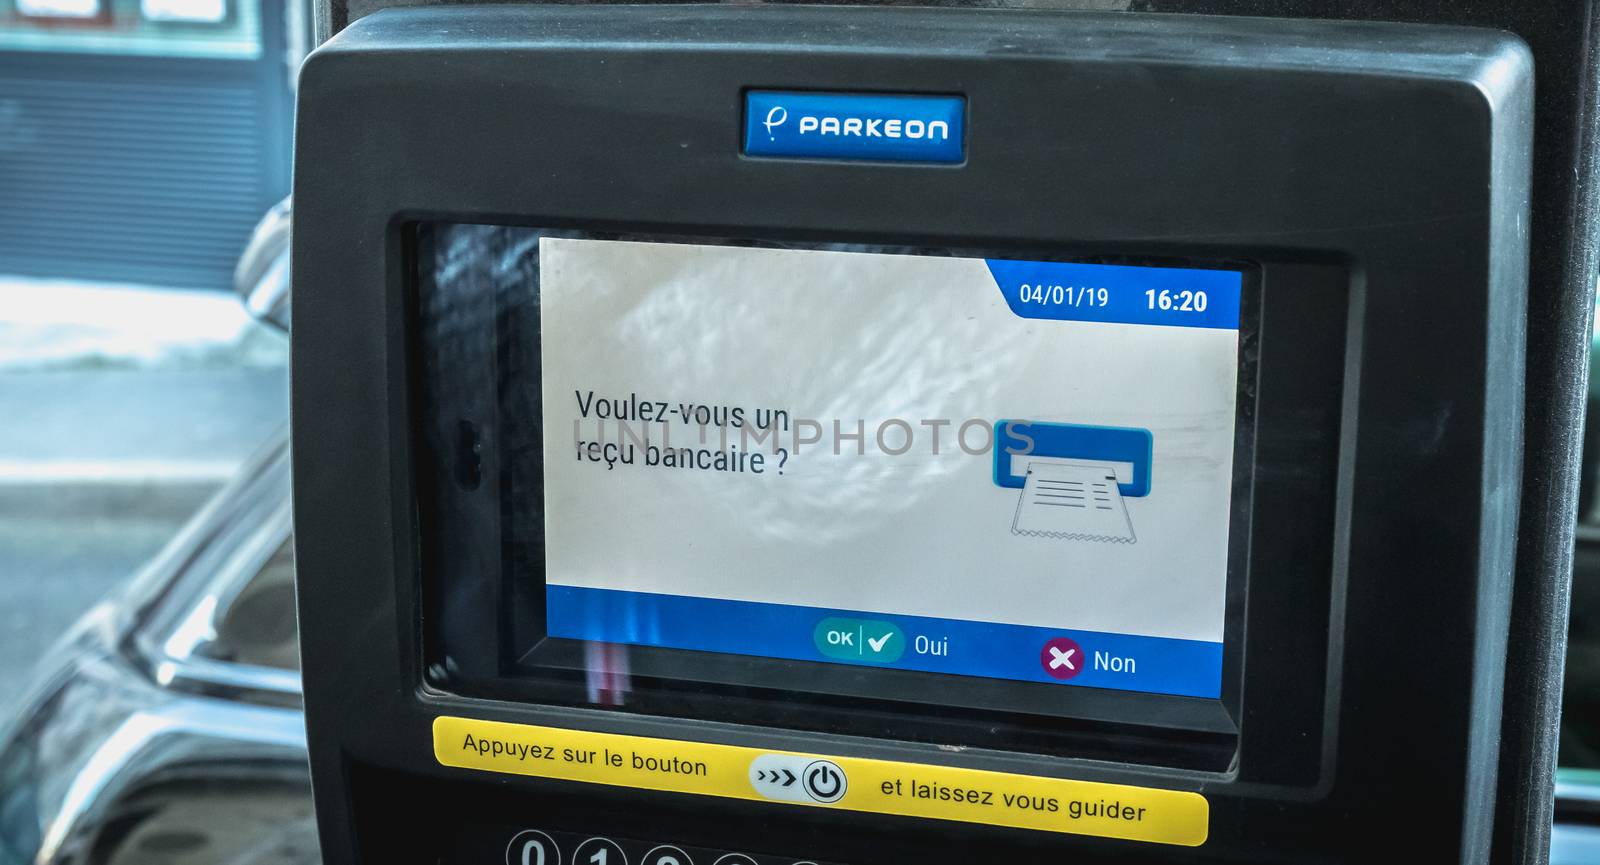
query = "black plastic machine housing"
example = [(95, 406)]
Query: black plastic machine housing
[(1374, 177)]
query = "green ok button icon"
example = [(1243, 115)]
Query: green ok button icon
[(859, 640)]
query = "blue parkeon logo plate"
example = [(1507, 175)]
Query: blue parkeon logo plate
[(860, 126)]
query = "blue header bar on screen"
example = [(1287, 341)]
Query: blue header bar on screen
[(1123, 294), (857, 126)]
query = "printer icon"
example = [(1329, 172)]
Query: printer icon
[(1075, 479)]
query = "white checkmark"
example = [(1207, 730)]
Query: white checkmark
[(877, 645)]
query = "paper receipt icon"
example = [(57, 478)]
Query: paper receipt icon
[(1068, 501)]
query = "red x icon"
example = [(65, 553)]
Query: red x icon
[(1061, 658)]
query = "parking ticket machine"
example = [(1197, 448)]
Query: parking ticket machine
[(803, 434)]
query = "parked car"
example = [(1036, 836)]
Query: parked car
[(165, 726)]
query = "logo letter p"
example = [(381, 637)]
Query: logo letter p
[(777, 116)]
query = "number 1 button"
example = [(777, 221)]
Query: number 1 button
[(599, 851)]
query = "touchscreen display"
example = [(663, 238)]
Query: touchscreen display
[(997, 468)]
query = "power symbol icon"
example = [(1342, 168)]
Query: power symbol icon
[(825, 781)]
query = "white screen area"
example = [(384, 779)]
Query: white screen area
[(871, 386)]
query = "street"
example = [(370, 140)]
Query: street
[(99, 466), (56, 569)]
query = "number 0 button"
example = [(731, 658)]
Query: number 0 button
[(599, 851), (532, 847)]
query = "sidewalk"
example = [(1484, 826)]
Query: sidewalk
[(127, 402)]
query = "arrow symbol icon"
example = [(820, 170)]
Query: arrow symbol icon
[(777, 777)]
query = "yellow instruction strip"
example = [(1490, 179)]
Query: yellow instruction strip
[(851, 783)]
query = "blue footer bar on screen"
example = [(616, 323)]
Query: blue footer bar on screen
[(1123, 662)]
